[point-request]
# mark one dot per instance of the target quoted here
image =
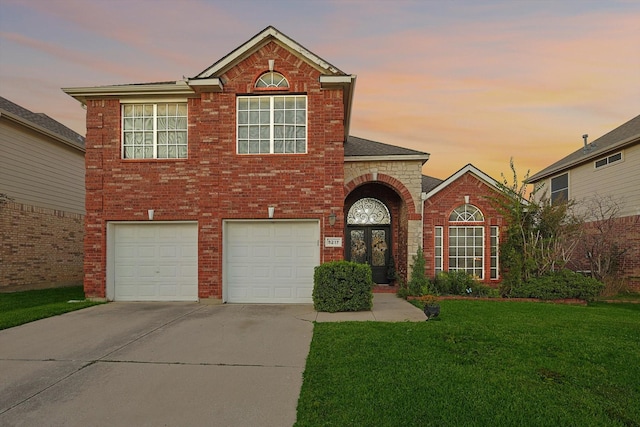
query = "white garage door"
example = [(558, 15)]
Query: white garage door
[(155, 262), (270, 262)]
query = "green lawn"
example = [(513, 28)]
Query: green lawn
[(482, 363), (17, 308)]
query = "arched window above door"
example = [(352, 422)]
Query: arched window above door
[(466, 213), (368, 211)]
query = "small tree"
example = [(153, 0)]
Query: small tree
[(418, 280)]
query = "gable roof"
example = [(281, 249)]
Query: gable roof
[(625, 135), (468, 168), (41, 123), (360, 149), (258, 41)]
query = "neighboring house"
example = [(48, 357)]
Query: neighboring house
[(607, 169), (234, 184), (41, 201)]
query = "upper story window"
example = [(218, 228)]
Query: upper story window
[(154, 131), (272, 124), (466, 213), (272, 79), (608, 160), (560, 189)]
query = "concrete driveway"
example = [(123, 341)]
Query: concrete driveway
[(156, 364)]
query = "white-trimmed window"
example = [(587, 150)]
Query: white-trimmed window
[(608, 160), (466, 249), (154, 131), (438, 248), (272, 124), (560, 189), (495, 243), (272, 79), (467, 213)]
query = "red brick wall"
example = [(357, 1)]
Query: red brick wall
[(624, 232), (215, 183), (438, 208), (39, 248)]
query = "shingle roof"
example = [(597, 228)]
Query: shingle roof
[(41, 120), (429, 183), (628, 133), (360, 147)]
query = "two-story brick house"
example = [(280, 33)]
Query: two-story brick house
[(234, 184)]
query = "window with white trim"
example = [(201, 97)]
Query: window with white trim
[(608, 160), (272, 124), (438, 248), (466, 212), (272, 79), (466, 249), (154, 131), (495, 243), (560, 189)]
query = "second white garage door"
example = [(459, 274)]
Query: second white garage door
[(270, 261)]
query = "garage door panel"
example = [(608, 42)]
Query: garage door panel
[(155, 262), (270, 262)]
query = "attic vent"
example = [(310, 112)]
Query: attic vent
[(272, 79)]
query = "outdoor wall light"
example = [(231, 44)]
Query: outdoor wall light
[(272, 210), (150, 213), (332, 219)]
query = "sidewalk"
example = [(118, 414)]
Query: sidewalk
[(386, 308)]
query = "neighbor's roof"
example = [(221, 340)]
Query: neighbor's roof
[(622, 136), (360, 149), (40, 122)]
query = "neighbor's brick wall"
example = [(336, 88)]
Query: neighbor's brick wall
[(39, 248), (215, 183), (438, 208), (626, 232)]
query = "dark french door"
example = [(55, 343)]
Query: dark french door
[(370, 245)]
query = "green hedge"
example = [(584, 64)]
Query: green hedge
[(459, 282), (342, 286), (559, 285)]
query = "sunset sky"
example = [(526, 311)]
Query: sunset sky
[(467, 81)]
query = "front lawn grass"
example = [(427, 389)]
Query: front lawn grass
[(17, 308), (480, 363)]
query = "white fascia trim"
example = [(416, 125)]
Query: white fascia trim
[(336, 80), (468, 168), (269, 32), (9, 116), (179, 87), (386, 158), (213, 84)]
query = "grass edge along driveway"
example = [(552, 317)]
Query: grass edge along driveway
[(481, 363), (17, 308)]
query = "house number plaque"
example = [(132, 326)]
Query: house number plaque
[(333, 242)]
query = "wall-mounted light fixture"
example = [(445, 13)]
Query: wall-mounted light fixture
[(150, 213), (271, 210), (332, 219)]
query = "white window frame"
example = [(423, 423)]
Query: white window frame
[(439, 248), (494, 267), (153, 130), (608, 160), (465, 257), (242, 136)]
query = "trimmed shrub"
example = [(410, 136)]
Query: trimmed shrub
[(418, 280), (559, 285), (459, 282), (342, 286)]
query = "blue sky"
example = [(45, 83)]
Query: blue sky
[(467, 81)]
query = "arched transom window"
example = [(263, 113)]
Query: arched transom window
[(466, 213), (368, 211), (272, 79)]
